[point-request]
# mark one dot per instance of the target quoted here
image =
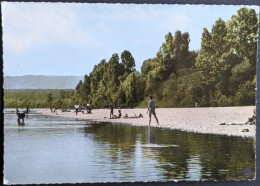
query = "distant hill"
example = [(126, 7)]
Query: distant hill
[(41, 82)]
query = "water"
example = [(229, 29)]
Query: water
[(58, 150)]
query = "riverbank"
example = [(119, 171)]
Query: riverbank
[(221, 120)]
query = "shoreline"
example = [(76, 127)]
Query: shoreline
[(204, 120)]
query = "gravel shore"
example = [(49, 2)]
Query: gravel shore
[(220, 120)]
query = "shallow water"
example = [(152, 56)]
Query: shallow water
[(61, 150)]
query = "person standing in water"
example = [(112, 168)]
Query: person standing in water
[(151, 110)]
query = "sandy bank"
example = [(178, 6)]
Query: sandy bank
[(200, 120)]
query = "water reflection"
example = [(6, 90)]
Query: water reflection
[(180, 155), (58, 150)]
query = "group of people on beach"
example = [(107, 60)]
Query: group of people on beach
[(151, 110), (88, 108), (125, 116)]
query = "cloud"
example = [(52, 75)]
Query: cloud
[(30, 25), (26, 25), (165, 16)]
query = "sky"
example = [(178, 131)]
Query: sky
[(71, 38)]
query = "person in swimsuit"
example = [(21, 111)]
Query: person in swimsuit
[(151, 110), (119, 115)]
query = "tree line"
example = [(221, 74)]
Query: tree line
[(221, 73), (39, 98)]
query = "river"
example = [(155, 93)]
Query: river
[(51, 149)]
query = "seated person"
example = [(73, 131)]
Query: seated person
[(135, 116), (88, 108), (251, 120), (119, 115), (64, 110)]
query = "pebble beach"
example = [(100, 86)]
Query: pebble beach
[(220, 120)]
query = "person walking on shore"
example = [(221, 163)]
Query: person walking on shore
[(151, 110), (77, 108)]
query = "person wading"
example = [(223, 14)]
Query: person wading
[(151, 110)]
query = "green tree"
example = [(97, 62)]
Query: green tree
[(58, 103), (27, 103), (133, 88), (78, 86), (181, 51), (49, 100), (111, 77), (128, 61), (212, 60), (149, 65), (213, 46), (95, 78), (85, 89), (243, 32)]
